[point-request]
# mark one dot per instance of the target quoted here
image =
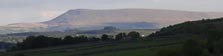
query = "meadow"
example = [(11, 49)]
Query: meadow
[(110, 48)]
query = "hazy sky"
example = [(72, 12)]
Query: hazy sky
[(17, 11)]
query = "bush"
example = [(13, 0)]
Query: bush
[(134, 35), (120, 36), (192, 48), (105, 37)]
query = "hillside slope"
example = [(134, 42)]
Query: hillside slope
[(190, 28), (87, 17), (95, 19)]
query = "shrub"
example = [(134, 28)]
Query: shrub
[(134, 35)]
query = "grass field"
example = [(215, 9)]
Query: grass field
[(114, 48), (110, 48), (136, 52)]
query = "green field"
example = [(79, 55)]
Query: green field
[(114, 48), (137, 52), (109, 48)]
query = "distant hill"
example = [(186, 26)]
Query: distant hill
[(87, 17), (120, 18), (192, 28)]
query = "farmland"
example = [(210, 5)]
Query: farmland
[(110, 48)]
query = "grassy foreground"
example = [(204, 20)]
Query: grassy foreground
[(114, 48)]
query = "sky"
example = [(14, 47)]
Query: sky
[(27, 11)]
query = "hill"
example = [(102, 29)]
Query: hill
[(191, 38), (204, 38), (201, 28), (151, 17), (120, 18)]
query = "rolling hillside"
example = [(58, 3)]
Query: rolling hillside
[(190, 28), (201, 37), (96, 19)]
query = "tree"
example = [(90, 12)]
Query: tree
[(69, 40), (94, 39), (134, 35), (80, 39), (192, 48), (33, 42), (105, 37), (215, 40), (120, 36)]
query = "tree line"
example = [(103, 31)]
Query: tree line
[(33, 42), (205, 38)]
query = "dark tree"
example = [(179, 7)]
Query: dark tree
[(192, 48), (134, 35), (120, 36), (33, 42), (94, 39), (80, 39), (69, 40), (105, 37)]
